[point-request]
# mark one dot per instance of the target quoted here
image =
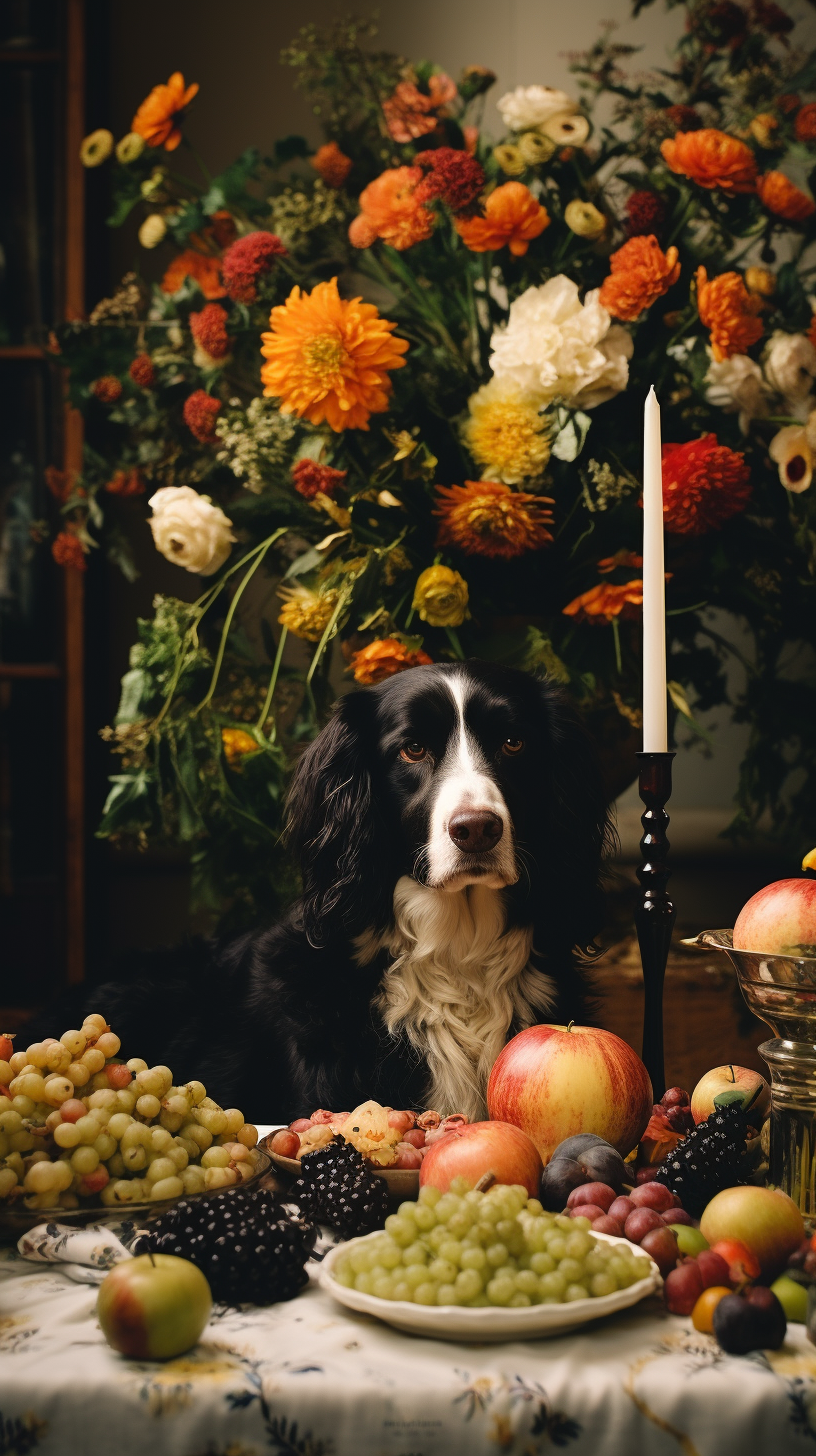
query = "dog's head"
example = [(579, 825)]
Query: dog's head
[(455, 774)]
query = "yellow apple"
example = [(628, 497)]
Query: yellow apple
[(763, 1218), (729, 1079)]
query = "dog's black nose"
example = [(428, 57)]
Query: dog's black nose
[(475, 830)]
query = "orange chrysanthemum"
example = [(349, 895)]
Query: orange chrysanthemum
[(781, 197), (410, 113), (711, 158), (202, 267), (157, 119), (485, 518), (390, 210), (727, 308), (67, 550), (331, 164), (328, 358), (704, 485), (641, 272), (381, 659), (604, 602), (512, 216)]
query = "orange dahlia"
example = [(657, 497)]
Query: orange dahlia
[(778, 194), (805, 123), (727, 308), (381, 659), (158, 117), (328, 358), (604, 602), (201, 267), (125, 483), (331, 164), (512, 216), (485, 518), (641, 272), (711, 158), (67, 550), (704, 484), (389, 210)]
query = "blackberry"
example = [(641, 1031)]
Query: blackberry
[(712, 1157), (337, 1188), (250, 1248)]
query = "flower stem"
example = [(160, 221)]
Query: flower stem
[(264, 714), (260, 553)]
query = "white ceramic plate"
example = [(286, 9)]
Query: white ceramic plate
[(450, 1321)]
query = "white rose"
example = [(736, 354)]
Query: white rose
[(530, 106), (554, 346), (737, 384), (790, 368), (189, 530)]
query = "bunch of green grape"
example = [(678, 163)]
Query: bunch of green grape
[(77, 1123), (495, 1248)]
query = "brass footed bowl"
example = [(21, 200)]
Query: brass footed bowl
[(779, 989)]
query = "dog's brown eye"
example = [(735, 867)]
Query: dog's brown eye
[(512, 745), (413, 752)]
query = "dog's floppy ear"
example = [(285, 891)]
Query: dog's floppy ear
[(578, 830), (336, 828)]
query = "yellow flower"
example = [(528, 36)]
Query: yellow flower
[(129, 148), (584, 219), (329, 358), (441, 597), (763, 129), (236, 743), (505, 434), (152, 230), (760, 280), (96, 148), (535, 148), (306, 613), (510, 159), (809, 861)]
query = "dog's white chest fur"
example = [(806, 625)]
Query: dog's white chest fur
[(456, 983)]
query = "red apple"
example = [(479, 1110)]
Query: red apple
[(728, 1079), (555, 1081), (477, 1148), (779, 920), (763, 1218), (153, 1307)]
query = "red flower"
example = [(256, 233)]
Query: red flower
[(331, 164), (771, 17), (59, 482), (704, 484), (805, 124), (312, 479), (451, 175), (125, 483), (209, 330), (646, 213), (684, 118), (200, 413), (244, 262), (107, 389), (142, 371), (67, 550)]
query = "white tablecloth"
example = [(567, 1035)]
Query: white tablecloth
[(307, 1379)]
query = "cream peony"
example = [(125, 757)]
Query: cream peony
[(737, 384), (531, 106), (555, 347), (790, 367), (791, 450), (189, 530)]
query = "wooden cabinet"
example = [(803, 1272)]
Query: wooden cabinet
[(42, 830)]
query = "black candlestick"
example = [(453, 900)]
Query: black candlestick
[(654, 915)]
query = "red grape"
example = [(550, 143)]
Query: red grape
[(621, 1209), (300, 1124), (118, 1075), (415, 1136), (607, 1225), (652, 1195), (713, 1268), (407, 1156), (72, 1110), (586, 1210), (661, 1245), (6, 1047), (641, 1222), (402, 1121), (683, 1287), (598, 1193), (645, 1175), (677, 1215), (285, 1143)]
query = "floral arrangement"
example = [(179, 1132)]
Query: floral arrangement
[(403, 376)]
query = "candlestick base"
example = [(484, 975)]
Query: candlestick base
[(655, 912)]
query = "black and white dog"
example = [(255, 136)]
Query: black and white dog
[(450, 824)]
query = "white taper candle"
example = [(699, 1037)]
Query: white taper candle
[(655, 728)]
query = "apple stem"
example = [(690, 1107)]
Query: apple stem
[(152, 1260), (571, 1025), (733, 1073), (486, 1181)]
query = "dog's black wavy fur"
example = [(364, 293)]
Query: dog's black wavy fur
[(279, 1020)]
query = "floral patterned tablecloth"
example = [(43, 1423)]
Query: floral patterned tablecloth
[(308, 1379)]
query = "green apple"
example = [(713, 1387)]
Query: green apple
[(689, 1240), (793, 1298), (153, 1307), (763, 1218)]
